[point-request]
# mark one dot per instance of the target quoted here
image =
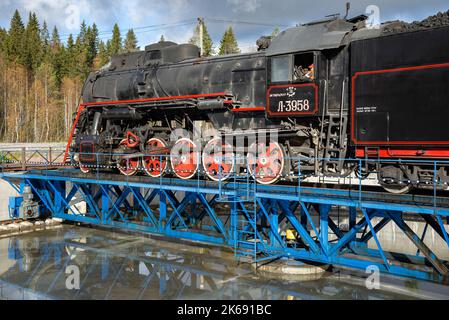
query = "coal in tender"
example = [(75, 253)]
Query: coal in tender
[(441, 19)]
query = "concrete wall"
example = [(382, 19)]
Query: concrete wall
[(5, 192)]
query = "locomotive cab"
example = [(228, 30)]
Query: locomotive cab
[(293, 68), (293, 84)]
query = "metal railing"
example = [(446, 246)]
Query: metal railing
[(23, 158), (356, 181)]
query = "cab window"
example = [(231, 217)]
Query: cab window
[(304, 68), (281, 69)]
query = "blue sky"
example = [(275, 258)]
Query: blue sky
[(175, 19)]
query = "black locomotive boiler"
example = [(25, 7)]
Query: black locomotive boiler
[(331, 90)]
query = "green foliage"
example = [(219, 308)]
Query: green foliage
[(83, 32), (91, 44), (207, 40), (15, 40), (116, 45), (55, 43), (33, 49), (41, 77), (130, 42), (45, 39), (228, 44), (57, 56), (103, 54), (275, 32), (3, 39), (80, 55), (69, 67)]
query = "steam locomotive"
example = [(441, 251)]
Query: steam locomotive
[(331, 90)]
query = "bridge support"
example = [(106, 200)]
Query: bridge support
[(212, 212)]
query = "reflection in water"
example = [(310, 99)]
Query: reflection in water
[(120, 266)]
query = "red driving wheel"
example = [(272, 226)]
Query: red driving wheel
[(184, 159), (218, 160), (126, 165), (156, 165), (266, 162), (84, 169)]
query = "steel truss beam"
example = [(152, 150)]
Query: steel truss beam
[(211, 213)]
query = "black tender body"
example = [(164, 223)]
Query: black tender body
[(400, 87)]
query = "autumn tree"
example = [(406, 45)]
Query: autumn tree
[(41, 76)]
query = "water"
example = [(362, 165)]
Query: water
[(123, 266)]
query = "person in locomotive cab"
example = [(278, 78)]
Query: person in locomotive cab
[(311, 73), (304, 74)]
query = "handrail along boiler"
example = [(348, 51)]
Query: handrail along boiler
[(332, 89)]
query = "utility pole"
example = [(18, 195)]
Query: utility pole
[(201, 24)]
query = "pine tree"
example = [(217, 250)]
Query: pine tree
[(116, 46), (130, 42), (57, 54), (228, 44), (70, 43), (69, 58), (15, 40), (275, 32), (55, 40), (45, 40), (162, 38), (83, 33), (95, 38), (91, 45), (81, 65), (3, 40), (33, 45), (103, 54), (207, 41), (45, 35)]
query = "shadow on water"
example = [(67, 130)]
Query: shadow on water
[(45, 265)]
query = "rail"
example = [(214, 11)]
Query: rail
[(355, 183)]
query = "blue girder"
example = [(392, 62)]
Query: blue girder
[(211, 212)]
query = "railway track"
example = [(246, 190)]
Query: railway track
[(227, 188)]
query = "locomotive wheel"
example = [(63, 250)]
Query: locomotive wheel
[(184, 159), (155, 166), (84, 169), (218, 160), (397, 189), (266, 163), (127, 166)]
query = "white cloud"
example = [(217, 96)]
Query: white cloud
[(245, 5), (138, 13)]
